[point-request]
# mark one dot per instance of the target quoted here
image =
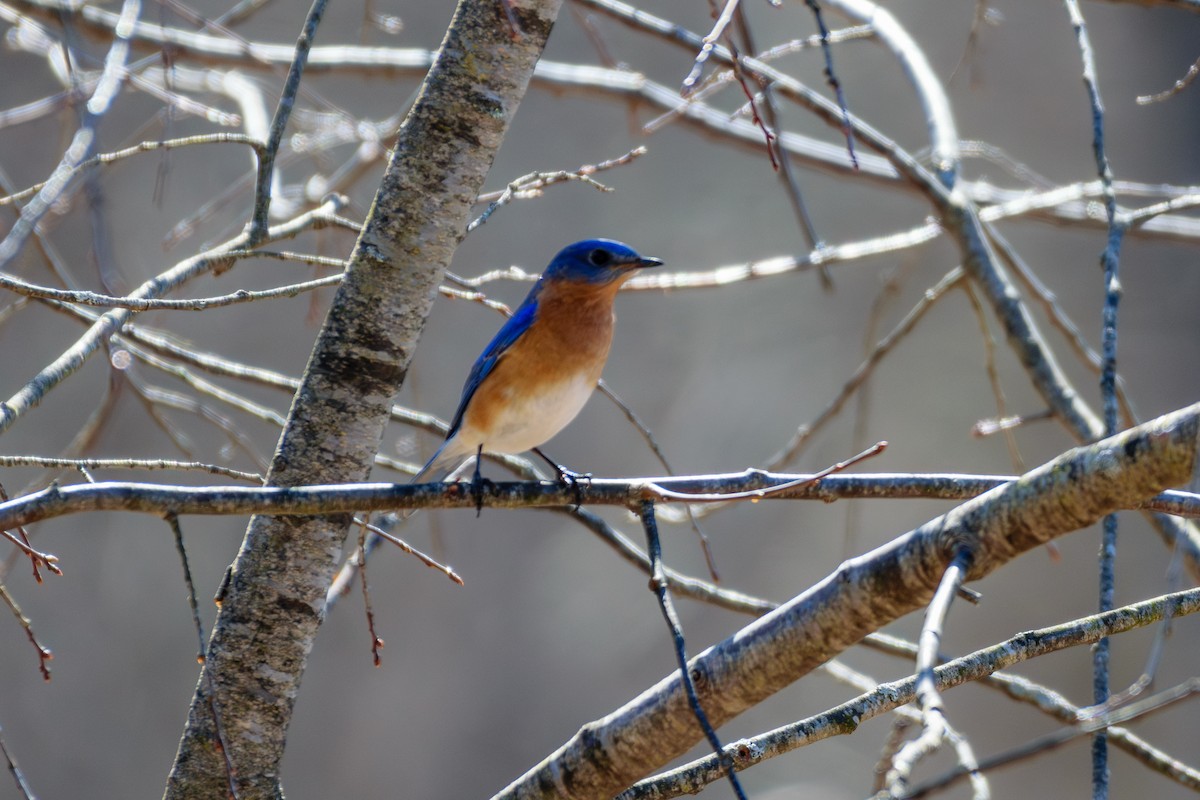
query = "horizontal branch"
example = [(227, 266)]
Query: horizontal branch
[(83, 464), (18, 286), (143, 147), (74, 357), (751, 484)]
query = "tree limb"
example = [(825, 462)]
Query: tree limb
[(864, 594), (273, 602)]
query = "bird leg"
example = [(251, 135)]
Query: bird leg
[(478, 482), (575, 480)]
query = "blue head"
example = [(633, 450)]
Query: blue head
[(596, 261)]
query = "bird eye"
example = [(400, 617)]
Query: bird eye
[(599, 258)]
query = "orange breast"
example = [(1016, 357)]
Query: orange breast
[(542, 382)]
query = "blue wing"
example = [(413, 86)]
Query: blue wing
[(516, 325)]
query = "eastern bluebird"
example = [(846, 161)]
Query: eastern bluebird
[(539, 370)]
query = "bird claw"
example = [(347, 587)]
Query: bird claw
[(479, 484), (568, 478), (576, 481), (479, 488)]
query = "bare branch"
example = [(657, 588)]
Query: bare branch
[(936, 728), (847, 717), (150, 498), (84, 139), (864, 594), (74, 357)]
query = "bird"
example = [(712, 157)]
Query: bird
[(534, 376), (539, 370)]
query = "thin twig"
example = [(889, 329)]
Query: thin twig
[(1054, 704), (984, 13), (755, 495), (82, 142), (18, 776), (1179, 86), (1061, 737), (18, 286), (43, 652), (989, 361), (936, 728), (74, 357), (127, 463), (156, 396), (172, 521), (142, 147), (1108, 376), (405, 547), (787, 173), (531, 185), (661, 588), (718, 30), (889, 290), (24, 534), (652, 443), (376, 642), (832, 78), (266, 161)]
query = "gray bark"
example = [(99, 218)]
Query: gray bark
[(273, 603)]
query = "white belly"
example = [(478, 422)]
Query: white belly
[(526, 424)]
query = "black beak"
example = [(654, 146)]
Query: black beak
[(647, 262)]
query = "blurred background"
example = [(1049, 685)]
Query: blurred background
[(552, 629)]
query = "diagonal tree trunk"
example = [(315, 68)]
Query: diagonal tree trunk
[(274, 601)]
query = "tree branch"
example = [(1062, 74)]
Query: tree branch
[(752, 484), (864, 594), (983, 664)]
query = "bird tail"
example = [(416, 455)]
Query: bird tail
[(444, 462)]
